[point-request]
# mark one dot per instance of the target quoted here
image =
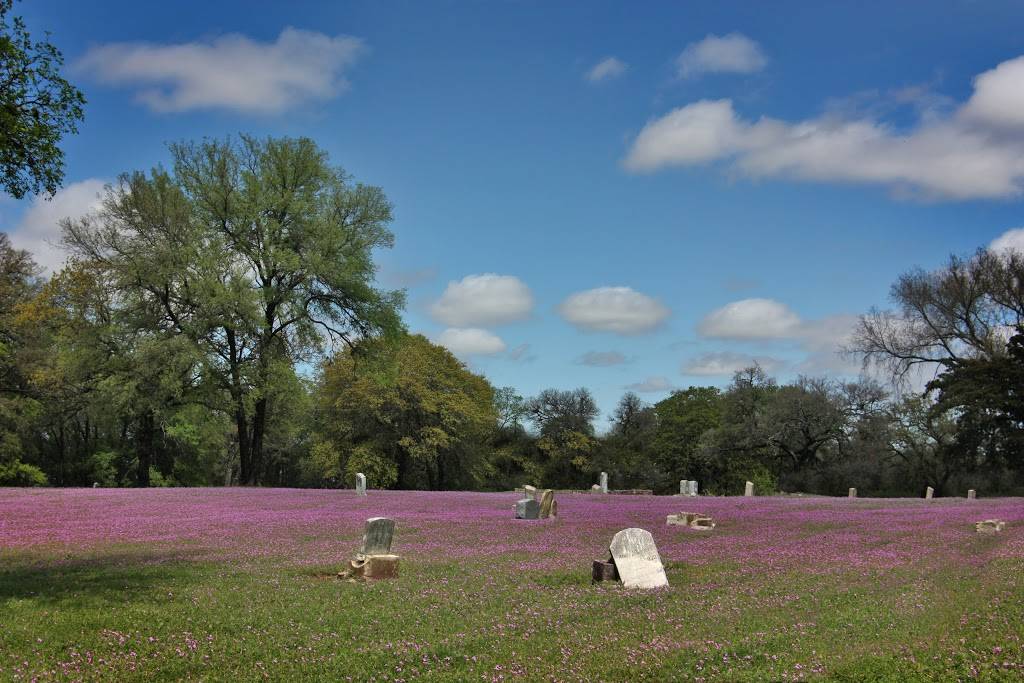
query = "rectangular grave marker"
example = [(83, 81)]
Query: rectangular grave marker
[(852, 493), (527, 508), (547, 504), (360, 484), (604, 482), (928, 493), (378, 536), (971, 494), (691, 487), (749, 490)]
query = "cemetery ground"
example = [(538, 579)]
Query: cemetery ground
[(240, 584)]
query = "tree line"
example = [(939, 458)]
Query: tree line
[(219, 322)]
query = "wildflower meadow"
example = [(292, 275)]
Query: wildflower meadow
[(241, 584)]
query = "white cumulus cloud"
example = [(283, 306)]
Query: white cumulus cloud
[(751, 319), (727, 363), (39, 230), (471, 342), (607, 69), (229, 72), (1011, 240), (731, 53), (483, 300), (621, 310), (975, 151)]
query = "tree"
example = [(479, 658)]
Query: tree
[(37, 108), (405, 412), (565, 422), (257, 252), (626, 451), (683, 418)]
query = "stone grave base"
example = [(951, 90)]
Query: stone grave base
[(371, 567), (691, 520), (990, 526), (604, 570)]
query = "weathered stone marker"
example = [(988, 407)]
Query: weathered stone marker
[(990, 526), (527, 508), (971, 494), (360, 484), (636, 559), (604, 482), (692, 520), (529, 491), (378, 536), (749, 490), (374, 559), (852, 493), (684, 487), (691, 488), (548, 506), (929, 492), (596, 488)]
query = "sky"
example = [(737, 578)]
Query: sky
[(615, 195)]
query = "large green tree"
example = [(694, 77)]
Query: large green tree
[(256, 251), (37, 108), (405, 412)]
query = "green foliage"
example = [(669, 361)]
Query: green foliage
[(404, 411), (37, 108), (14, 473)]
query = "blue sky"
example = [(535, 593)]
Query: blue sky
[(610, 195)]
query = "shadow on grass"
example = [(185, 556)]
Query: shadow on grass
[(94, 580)]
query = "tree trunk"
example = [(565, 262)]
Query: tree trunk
[(144, 447), (244, 451), (259, 422)]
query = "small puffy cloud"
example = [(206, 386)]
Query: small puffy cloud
[(727, 363), (602, 359), (471, 342), (39, 229), (1011, 240), (651, 385), (751, 319), (607, 69), (732, 53), (621, 310), (973, 151), (230, 72), (483, 300)]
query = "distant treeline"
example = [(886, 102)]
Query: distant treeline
[(166, 351)]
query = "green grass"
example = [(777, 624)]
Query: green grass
[(129, 615)]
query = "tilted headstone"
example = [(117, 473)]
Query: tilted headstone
[(971, 494), (527, 508), (378, 536), (636, 559), (929, 492), (360, 484), (852, 493), (547, 504), (749, 490), (529, 491), (604, 482), (691, 487)]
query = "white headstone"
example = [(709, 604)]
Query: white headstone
[(691, 487), (604, 482), (929, 492), (360, 484), (530, 491), (971, 494), (378, 536), (749, 490), (636, 559), (852, 493), (684, 487)]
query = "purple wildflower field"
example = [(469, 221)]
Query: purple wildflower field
[(322, 526), (238, 584)]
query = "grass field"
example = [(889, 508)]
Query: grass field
[(238, 584)]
